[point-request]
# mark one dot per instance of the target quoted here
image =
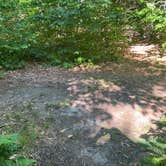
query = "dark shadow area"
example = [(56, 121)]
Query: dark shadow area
[(133, 93), (117, 151)]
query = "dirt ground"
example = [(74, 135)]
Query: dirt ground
[(84, 117)]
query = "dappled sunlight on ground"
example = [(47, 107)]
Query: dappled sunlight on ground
[(126, 106), (88, 116), (146, 52), (160, 90), (128, 119), (144, 49)]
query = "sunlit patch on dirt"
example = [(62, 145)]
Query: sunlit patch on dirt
[(131, 121), (87, 118), (132, 114), (143, 49), (146, 52), (159, 91)]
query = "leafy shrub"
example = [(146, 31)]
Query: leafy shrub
[(67, 29), (61, 31), (71, 29), (15, 33), (155, 161), (150, 20), (157, 146), (9, 147)]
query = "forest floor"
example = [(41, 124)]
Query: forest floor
[(82, 116)]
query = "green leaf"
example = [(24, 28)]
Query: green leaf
[(8, 139), (19, 162)]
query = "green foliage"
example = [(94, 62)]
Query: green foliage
[(27, 135), (14, 34), (157, 146), (19, 161), (150, 20), (2, 74), (60, 32), (87, 29), (9, 147), (154, 161), (68, 29)]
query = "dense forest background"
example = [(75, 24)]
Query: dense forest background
[(75, 31), (98, 112)]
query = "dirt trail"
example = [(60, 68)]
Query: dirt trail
[(85, 117)]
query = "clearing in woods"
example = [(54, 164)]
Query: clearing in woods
[(91, 117)]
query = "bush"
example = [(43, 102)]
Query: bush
[(64, 30), (9, 156), (156, 144), (15, 33), (67, 29), (150, 21), (71, 29)]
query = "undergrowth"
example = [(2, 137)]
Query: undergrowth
[(156, 145), (10, 147)]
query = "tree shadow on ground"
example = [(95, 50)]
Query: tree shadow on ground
[(108, 110), (133, 93)]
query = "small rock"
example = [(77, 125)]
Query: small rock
[(70, 136)]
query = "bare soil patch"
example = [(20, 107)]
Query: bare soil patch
[(85, 117)]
